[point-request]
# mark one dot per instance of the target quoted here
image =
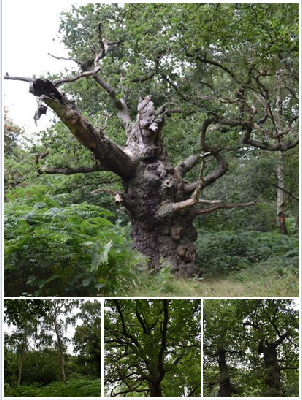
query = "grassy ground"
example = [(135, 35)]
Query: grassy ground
[(268, 279), (235, 264)]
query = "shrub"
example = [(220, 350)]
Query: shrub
[(222, 252), (75, 250)]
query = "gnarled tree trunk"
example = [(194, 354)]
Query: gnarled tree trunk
[(165, 239), (273, 379)]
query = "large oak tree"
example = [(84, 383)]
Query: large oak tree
[(152, 347), (251, 347), (231, 68)]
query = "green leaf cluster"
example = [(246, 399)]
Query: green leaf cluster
[(55, 250), (223, 252)]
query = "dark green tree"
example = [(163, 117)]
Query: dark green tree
[(223, 343), (273, 325), (152, 347), (56, 320), (251, 347), (24, 315), (87, 337)]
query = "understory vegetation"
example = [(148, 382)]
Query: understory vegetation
[(52, 248), (79, 387)]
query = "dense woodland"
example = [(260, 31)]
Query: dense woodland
[(152, 348), (52, 348), (171, 165), (251, 348)]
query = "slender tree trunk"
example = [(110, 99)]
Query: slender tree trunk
[(21, 363), (280, 196), (61, 350), (224, 382)]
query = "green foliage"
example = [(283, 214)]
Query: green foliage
[(41, 366), (11, 135), (18, 160), (38, 346), (19, 312), (55, 250), (87, 339), (83, 387), (238, 327), (227, 251), (152, 338)]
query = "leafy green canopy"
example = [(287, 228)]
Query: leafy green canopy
[(164, 40), (140, 344), (87, 338), (239, 327)]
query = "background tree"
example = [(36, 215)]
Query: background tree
[(55, 321), (17, 157), (11, 134), (87, 337), (152, 347), (275, 325), (223, 343), (24, 314), (241, 91)]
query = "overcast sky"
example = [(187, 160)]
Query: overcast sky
[(28, 29)]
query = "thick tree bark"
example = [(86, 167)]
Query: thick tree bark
[(269, 350), (273, 379), (224, 382), (161, 204), (168, 239), (155, 390)]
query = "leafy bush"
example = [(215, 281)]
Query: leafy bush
[(53, 250), (222, 252)]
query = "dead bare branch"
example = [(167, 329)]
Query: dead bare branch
[(222, 205), (84, 74), (70, 171)]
